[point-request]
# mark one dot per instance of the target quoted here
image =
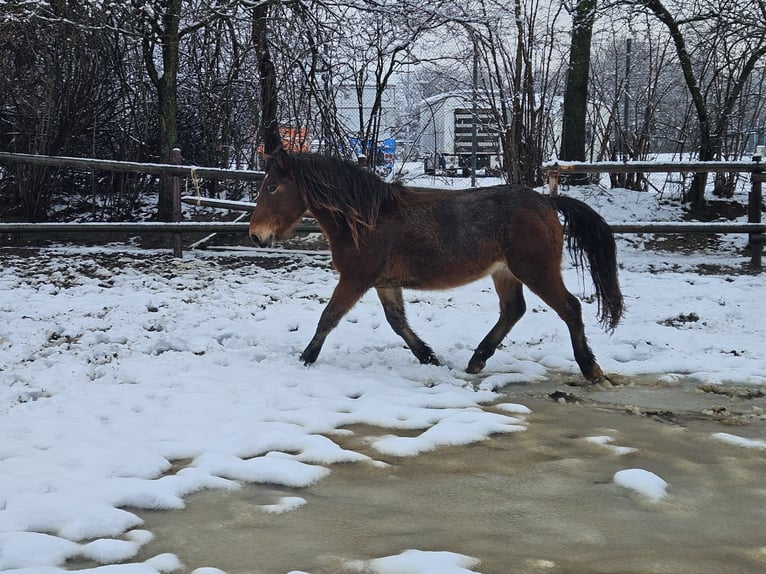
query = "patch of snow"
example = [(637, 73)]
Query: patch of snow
[(740, 441), (643, 482), (606, 441), (418, 562), (285, 504)]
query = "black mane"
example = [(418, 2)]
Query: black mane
[(343, 188)]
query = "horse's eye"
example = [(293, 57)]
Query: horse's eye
[(271, 188)]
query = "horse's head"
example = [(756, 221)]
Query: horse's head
[(279, 205)]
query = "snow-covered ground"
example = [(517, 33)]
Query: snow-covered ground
[(115, 363)]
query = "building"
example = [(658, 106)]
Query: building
[(445, 135)]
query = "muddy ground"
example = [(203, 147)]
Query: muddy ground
[(542, 500)]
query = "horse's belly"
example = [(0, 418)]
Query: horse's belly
[(444, 274)]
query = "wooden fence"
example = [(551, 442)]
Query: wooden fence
[(174, 170), (754, 228)]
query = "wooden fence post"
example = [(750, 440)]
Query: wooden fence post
[(553, 182), (177, 214), (755, 199)]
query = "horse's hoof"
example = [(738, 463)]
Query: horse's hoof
[(605, 382), (308, 359), (598, 378), (475, 367)]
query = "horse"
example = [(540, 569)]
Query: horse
[(389, 237)]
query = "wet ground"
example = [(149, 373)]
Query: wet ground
[(542, 500)]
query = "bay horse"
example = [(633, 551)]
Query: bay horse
[(389, 237)]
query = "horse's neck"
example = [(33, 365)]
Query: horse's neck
[(333, 225)]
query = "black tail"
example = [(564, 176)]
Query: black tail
[(589, 235)]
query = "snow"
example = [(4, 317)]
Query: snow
[(606, 441), (465, 427), (285, 504), (740, 441), (131, 385), (418, 562), (643, 482)]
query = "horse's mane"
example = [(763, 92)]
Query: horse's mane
[(348, 191)]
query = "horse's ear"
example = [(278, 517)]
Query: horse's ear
[(280, 157)]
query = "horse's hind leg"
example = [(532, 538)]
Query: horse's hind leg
[(393, 306), (549, 286), (572, 316), (512, 307)]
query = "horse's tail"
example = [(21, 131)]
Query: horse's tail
[(589, 235)]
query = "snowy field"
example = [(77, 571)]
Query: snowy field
[(115, 363)]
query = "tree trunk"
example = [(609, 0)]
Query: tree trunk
[(269, 128), (576, 92), (167, 88)]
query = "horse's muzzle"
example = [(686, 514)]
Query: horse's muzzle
[(262, 242)]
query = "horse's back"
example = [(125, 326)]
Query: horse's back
[(436, 240), (470, 204), (461, 219)]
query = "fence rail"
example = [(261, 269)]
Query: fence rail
[(755, 230), (655, 166), (755, 197), (169, 169), (238, 226)]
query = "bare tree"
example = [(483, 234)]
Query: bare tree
[(55, 92), (226, 78), (267, 73), (160, 29), (522, 80), (717, 50), (365, 61), (163, 25), (632, 79), (575, 108)]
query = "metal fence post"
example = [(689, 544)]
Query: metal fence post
[(177, 214), (755, 199)]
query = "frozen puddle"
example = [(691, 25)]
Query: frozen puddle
[(589, 487)]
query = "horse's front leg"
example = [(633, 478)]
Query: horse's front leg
[(512, 307), (346, 294), (393, 306)]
